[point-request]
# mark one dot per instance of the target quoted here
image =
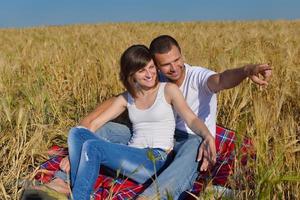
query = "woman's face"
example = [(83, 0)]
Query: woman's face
[(146, 77)]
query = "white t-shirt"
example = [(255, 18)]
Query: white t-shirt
[(152, 127), (201, 100)]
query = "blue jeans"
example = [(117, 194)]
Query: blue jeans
[(87, 152), (113, 132), (181, 174)]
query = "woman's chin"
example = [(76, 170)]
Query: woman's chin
[(148, 85)]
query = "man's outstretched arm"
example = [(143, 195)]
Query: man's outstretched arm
[(86, 122), (258, 73)]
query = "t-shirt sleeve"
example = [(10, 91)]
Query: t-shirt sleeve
[(202, 76)]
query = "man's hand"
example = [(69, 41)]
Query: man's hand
[(207, 153), (258, 73), (254, 71), (65, 164)]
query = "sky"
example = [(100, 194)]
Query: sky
[(30, 13)]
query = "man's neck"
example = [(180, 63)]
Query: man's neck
[(181, 79)]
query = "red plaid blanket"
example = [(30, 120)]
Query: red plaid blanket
[(127, 189)]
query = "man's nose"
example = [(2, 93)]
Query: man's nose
[(172, 66)]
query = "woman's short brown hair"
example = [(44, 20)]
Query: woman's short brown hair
[(133, 59)]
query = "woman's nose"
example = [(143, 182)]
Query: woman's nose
[(148, 73)]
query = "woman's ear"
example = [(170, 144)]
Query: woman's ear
[(137, 85)]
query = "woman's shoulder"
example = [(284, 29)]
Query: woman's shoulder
[(170, 86), (123, 97), (171, 89)]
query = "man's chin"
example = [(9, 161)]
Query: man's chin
[(173, 78)]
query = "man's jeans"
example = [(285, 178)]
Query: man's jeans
[(181, 174), (87, 152)]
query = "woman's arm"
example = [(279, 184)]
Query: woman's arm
[(117, 107), (207, 150), (175, 97), (86, 121)]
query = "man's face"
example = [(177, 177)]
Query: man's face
[(171, 65)]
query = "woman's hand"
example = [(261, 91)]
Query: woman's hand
[(65, 164), (207, 153)]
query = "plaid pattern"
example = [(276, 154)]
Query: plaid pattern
[(106, 186), (225, 143), (48, 168), (128, 189)]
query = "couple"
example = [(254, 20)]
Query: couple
[(150, 104)]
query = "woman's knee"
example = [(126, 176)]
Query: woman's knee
[(73, 134), (87, 146), (96, 144), (93, 148)]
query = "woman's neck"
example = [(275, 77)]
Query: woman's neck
[(146, 98), (144, 92)]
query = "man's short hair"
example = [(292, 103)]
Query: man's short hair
[(163, 44)]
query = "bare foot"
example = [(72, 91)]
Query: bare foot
[(59, 185)]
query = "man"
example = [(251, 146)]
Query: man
[(199, 87)]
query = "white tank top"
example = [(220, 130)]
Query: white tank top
[(153, 127)]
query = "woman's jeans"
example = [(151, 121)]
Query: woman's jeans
[(87, 152)]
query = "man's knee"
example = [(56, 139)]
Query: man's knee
[(191, 144), (114, 132), (194, 141)]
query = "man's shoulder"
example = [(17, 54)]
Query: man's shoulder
[(195, 68), (198, 70)]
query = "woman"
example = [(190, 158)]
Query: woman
[(150, 105)]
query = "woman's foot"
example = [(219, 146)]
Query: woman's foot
[(56, 184), (59, 185)]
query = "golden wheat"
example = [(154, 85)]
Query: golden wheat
[(50, 77)]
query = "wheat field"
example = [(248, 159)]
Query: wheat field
[(51, 77)]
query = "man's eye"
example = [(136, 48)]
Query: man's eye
[(165, 65)]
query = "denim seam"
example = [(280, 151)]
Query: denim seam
[(190, 181), (99, 161), (85, 185)]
